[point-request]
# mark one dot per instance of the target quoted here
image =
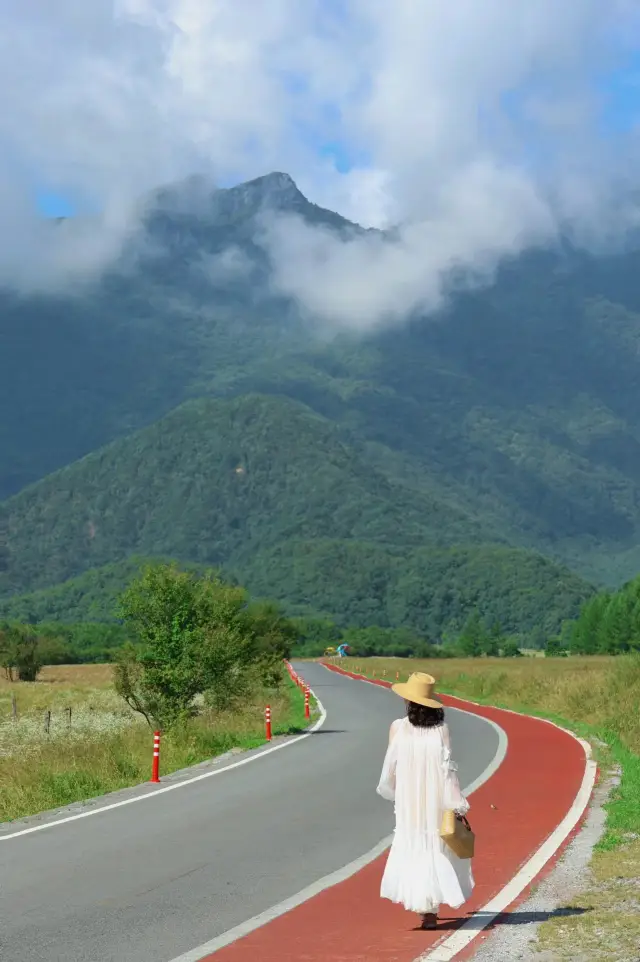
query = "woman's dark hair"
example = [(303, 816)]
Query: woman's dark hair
[(422, 716)]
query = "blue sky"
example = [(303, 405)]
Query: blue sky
[(53, 205), (622, 92), (326, 138)]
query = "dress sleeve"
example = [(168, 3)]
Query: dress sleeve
[(454, 800), (387, 784)]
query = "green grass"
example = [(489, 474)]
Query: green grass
[(623, 808)]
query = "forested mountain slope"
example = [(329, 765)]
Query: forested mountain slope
[(511, 417), (215, 481)]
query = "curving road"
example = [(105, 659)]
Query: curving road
[(149, 881)]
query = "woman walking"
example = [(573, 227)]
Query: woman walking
[(420, 777)]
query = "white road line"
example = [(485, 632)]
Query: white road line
[(172, 788), (447, 950), (341, 875)]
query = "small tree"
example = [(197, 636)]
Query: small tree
[(29, 653), (193, 636), (275, 635), (617, 627), (491, 641), (554, 648), (510, 649), (586, 631), (7, 651), (471, 638), (24, 652)]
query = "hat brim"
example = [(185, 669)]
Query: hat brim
[(407, 692)]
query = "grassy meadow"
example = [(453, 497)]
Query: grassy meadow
[(96, 744), (600, 691), (598, 697)]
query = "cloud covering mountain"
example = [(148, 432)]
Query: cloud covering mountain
[(480, 127)]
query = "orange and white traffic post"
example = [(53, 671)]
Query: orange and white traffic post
[(155, 768), (267, 723)]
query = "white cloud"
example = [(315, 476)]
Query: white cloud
[(478, 122), (482, 119), (479, 217)]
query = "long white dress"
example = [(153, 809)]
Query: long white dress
[(420, 777)]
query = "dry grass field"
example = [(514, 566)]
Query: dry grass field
[(92, 743), (603, 692)]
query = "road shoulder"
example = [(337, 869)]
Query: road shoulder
[(137, 793)]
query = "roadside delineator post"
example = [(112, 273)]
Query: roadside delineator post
[(155, 768), (307, 708), (267, 723), (397, 676)]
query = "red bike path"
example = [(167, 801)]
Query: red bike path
[(512, 815)]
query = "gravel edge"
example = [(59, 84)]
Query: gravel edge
[(515, 936)]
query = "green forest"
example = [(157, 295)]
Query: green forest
[(605, 623), (474, 471), (431, 591), (608, 624)]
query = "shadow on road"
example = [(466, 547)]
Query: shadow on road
[(320, 731), (478, 919), (330, 731)]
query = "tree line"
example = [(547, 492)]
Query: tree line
[(608, 624), (185, 633), (476, 639), (26, 648)]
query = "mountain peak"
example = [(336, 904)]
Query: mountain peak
[(196, 195), (275, 190), (276, 183)]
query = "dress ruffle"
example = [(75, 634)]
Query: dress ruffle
[(423, 877)]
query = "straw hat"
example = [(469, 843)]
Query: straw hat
[(418, 689)]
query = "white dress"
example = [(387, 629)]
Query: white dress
[(420, 777)]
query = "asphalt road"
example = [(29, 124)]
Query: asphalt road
[(149, 881)]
